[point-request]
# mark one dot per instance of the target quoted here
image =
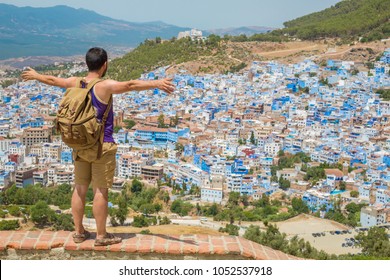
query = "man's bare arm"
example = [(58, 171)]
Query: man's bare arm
[(108, 87), (31, 74)]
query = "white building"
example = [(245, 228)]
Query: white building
[(272, 148), (4, 145), (4, 130), (234, 182), (193, 33), (373, 216), (211, 195)]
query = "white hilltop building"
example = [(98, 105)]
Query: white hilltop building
[(195, 34)]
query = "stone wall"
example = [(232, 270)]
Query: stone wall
[(37, 245)]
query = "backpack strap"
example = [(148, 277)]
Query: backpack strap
[(89, 87), (92, 83), (104, 119), (78, 82)]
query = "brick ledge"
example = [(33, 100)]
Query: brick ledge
[(203, 246)]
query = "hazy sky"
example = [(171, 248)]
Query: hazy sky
[(202, 14)]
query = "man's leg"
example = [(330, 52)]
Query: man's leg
[(103, 171), (100, 210), (78, 205)]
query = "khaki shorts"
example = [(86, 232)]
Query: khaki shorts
[(98, 171)]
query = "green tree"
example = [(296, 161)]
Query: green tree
[(354, 193), (129, 123), (342, 186), (164, 196), (353, 207), (263, 201), (299, 205), (375, 243), (117, 128), (234, 198), (179, 147), (174, 121), (161, 121), (41, 214), (147, 209), (284, 184), (252, 139), (213, 210), (181, 208), (122, 211), (244, 199), (136, 186)]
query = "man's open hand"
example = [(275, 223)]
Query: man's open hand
[(29, 74), (166, 85)]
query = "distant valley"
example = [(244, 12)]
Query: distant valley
[(65, 31)]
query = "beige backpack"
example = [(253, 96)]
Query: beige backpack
[(76, 118)]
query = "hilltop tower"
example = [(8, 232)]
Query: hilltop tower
[(345, 168)]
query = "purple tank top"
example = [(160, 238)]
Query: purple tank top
[(101, 108)]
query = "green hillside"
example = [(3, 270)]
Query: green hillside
[(347, 19), (153, 54)]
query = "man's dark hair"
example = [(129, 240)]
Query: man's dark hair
[(95, 58)]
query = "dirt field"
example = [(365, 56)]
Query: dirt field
[(167, 229), (303, 226)]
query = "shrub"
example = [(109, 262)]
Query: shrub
[(9, 225), (165, 221), (14, 210), (230, 229), (140, 221)]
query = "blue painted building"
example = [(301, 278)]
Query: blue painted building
[(152, 134), (174, 134), (66, 157)]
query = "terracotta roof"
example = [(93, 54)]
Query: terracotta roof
[(334, 172), (153, 129)]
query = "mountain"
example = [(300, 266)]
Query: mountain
[(244, 30), (349, 18), (62, 31)]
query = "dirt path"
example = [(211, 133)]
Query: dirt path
[(289, 51)]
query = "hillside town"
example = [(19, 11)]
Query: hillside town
[(228, 133)]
